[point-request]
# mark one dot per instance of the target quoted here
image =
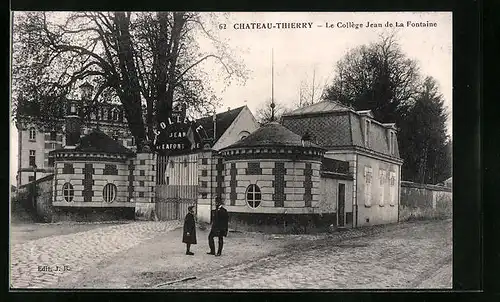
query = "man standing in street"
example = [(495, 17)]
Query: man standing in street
[(219, 228)]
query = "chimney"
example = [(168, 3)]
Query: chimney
[(73, 118), (73, 122)]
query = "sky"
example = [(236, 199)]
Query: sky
[(301, 52)]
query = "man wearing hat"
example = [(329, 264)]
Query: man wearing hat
[(219, 228)]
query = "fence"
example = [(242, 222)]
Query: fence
[(420, 201), (172, 201)]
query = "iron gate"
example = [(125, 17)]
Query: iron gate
[(177, 186)]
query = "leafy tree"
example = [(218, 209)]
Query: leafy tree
[(143, 60), (378, 76), (423, 140)]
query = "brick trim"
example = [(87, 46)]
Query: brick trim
[(87, 182), (308, 185), (279, 196)]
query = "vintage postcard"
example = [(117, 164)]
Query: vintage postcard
[(231, 150)]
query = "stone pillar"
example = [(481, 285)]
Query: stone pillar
[(206, 196), (144, 184)]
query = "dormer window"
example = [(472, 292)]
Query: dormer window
[(243, 134), (392, 143), (367, 132), (114, 114)]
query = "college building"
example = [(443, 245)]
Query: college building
[(320, 166)]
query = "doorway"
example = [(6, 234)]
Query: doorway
[(341, 206)]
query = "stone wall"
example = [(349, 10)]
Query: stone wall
[(420, 201), (377, 195), (40, 208)]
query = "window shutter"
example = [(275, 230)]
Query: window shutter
[(368, 187), (392, 188)]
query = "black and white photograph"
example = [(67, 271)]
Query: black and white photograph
[(180, 150)]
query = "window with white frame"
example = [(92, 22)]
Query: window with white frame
[(109, 193), (368, 186), (381, 175), (254, 196), (67, 192), (32, 158), (32, 134), (392, 188)]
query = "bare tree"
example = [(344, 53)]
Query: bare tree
[(264, 112), (144, 60), (310, 91)]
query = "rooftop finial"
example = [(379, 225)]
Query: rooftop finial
[(272, 85)]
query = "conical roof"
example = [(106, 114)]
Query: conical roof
[(98, 141), (271, 134)]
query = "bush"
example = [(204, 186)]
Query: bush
[(443, 210), (21, 205)]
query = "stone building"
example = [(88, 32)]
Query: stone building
[(370, 148), (36, 142), (276, 179), (321, 165)]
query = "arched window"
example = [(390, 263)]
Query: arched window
[(254, 196), (68, 192), (32, 134), (109, 193), (243, 134)]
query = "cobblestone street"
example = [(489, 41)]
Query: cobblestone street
[(147, 254), (415, 256), (67, 255)]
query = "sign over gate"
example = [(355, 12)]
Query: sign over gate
[(178, 134)]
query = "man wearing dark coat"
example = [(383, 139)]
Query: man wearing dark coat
[(219, 228), (189, 230)]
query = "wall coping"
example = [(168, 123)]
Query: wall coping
[(410, 184), (43, 179)]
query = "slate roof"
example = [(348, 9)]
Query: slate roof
[(271, 134), (223, 121), (98, 141), (332, 127), (320, 107)]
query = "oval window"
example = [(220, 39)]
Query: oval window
[(109, 193), (254, 196), (68, 192)]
